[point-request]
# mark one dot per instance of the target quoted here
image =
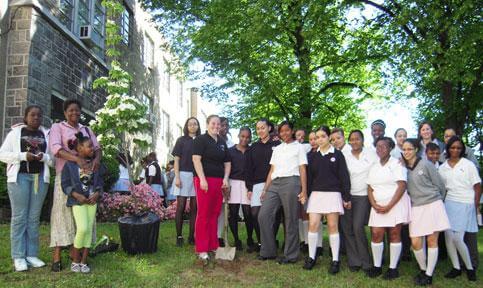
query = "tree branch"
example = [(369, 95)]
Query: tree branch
[(389, 12), (345, 61), (342, 84)]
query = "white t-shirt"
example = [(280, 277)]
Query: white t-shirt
[(286, 159), (151, 171), (359, 170), (383, 179), (459, 180), (396, 152)]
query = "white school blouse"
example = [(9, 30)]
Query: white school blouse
[(396, 152), (383, 179), (359, 170), (459, 180), (286, 159)]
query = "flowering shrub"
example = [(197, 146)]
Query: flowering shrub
[(171, 210), (142, 199)]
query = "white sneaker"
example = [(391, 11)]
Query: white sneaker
[(84, 268), (75, 267), (35, 262), (20, 264)]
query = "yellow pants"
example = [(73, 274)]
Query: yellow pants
[(84, 216)]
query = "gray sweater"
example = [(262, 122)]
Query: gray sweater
[(425, 184)]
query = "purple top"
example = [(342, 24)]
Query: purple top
[(60, 135)]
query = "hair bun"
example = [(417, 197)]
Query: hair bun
[(79, 135)]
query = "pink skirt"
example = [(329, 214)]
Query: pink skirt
[(325, 203), (238, 192), (427, 219), (400, 213)]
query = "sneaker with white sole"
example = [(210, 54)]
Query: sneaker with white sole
[(20, 264), (75, 267), (35, 262), (84, 268)]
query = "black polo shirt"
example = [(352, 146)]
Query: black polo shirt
[(257, 163), (238, 160), (213, 154), (184, 150)]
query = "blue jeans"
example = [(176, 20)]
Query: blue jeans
[(26, 206)]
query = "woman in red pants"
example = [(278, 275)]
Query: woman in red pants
[(211, 161)]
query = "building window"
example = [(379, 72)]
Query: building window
[(83, 13), (57, 114), (165, 128), (148, 54), (76, 13), (66, 9), (146, 100), (180, 94), (125, 25)]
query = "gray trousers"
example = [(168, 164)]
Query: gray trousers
[(471, 240), (353, 232), (282, 192)]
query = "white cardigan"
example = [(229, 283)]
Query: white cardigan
[(10, 153)]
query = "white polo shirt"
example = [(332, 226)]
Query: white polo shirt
[(459, 180), (359, 170), (383, 179), (286, 159)]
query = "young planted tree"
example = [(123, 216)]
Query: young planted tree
[(121, 123)]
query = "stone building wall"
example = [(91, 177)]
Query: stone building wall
[(42, 61)]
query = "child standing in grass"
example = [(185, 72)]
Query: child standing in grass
[(83, 187)]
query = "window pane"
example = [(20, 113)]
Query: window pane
[(125, 23), (65, 12)]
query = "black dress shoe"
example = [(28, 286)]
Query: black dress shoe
[(419, 275), (221, 242), (309, 263), (284, 260), (57, 266), (334, 267), (250, 248), (391, 274), (319, 252), (471, 274), (453, 273), (424, 280), (374, 272), (354, 268), (258, 246), (263, 258), (179, 241)]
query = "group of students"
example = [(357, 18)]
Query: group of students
[(424, 186)]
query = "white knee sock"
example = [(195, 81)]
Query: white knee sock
[(312, 244), (305, 226), (421, 258), (377, 250), (463, 249), (395, 252), (432, 260), (319, 239), (301, 231), (221, 220), (451, 248), (334, 240)]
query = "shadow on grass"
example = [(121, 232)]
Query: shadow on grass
[(172, 266)]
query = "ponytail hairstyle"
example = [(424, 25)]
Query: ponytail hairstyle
[(80, 139)]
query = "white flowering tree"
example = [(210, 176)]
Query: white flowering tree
[(122, 121)]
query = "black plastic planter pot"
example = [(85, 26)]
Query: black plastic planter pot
[(139, 233)]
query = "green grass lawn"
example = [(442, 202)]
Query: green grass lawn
[(171, 266)]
